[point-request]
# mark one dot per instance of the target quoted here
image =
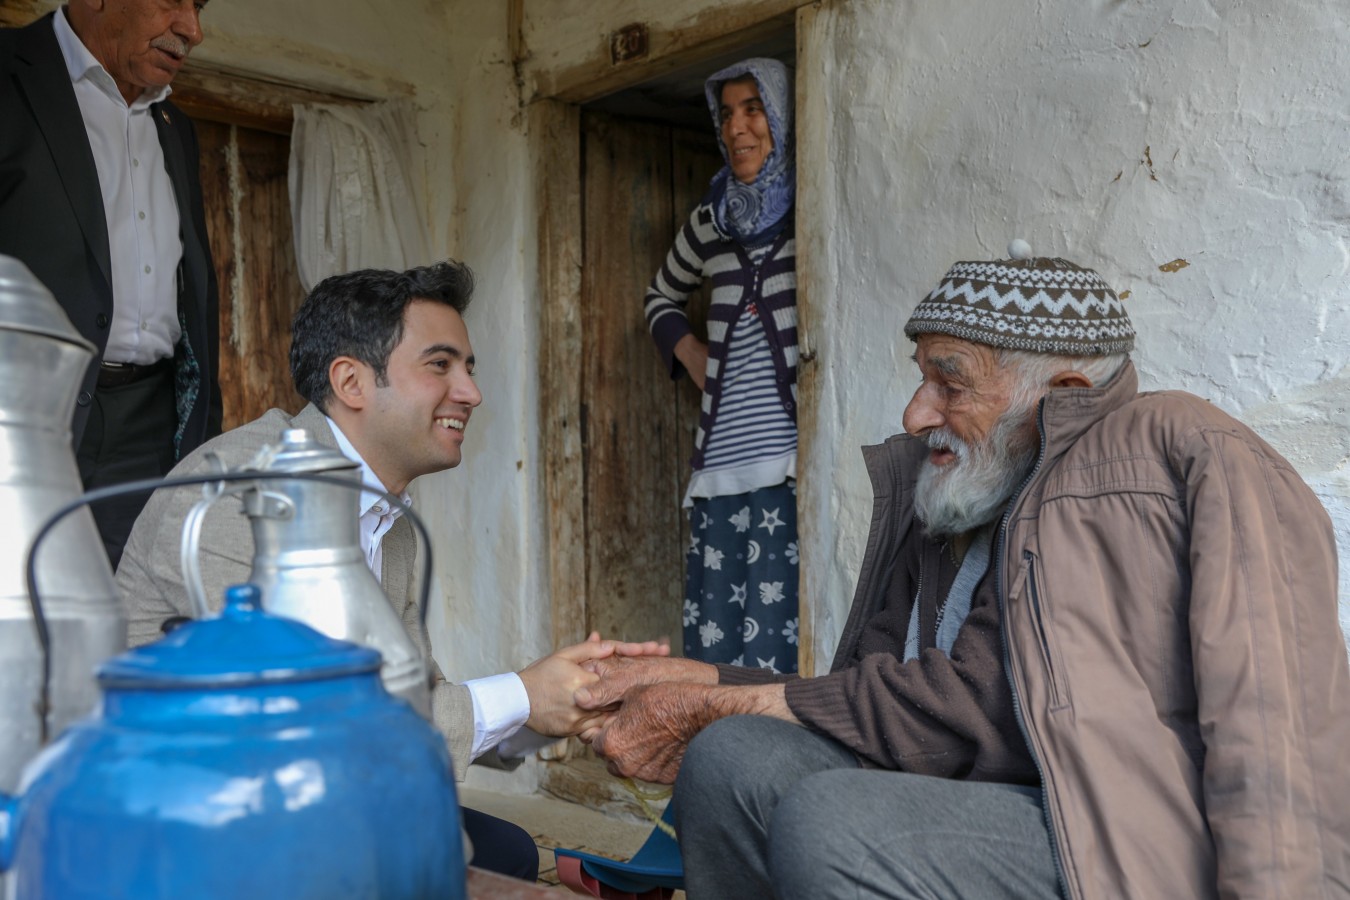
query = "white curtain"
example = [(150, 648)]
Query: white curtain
[(355, 202)]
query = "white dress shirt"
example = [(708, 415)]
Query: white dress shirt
[(144, 240), (500, 704)]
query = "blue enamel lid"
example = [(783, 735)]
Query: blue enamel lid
[(244, 645)]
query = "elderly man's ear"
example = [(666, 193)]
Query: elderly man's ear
[(350, 381), (1070, 380)]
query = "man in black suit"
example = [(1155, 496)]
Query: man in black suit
[(99, 197)]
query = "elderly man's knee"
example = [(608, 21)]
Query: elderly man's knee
[(804, 836), (720, 755)]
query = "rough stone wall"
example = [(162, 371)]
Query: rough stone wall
[(1193, 152)]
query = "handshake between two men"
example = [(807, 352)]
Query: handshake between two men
[(641, 711)]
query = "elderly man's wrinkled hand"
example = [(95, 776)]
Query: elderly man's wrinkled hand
[(619, 675), (552, 682), (648, 735)]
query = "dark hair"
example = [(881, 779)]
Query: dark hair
[(360, 314)]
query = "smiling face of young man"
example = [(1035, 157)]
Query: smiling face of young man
[(412, 421), (142, 43), (745, 129)]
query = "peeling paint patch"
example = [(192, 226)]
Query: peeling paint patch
[(1175, 265), (1147, 162)]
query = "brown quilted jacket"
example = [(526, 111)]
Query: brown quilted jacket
[(1166, 592), (1170, 608)]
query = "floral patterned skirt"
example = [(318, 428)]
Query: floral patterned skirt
[(740, 585)]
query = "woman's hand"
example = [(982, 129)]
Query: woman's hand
[(693, 355)]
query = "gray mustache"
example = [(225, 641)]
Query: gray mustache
[(170, 45), (943, 439)]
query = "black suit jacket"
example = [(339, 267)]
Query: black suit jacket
[(51, 218)]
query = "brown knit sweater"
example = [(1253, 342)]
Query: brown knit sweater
[(935, 715)]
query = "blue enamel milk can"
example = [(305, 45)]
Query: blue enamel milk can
[(242, 756)]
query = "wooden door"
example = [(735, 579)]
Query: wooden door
[(640, 181), (248, 220)]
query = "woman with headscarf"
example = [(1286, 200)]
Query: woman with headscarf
[(740, 602)]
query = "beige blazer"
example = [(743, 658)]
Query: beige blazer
[(150, 580)]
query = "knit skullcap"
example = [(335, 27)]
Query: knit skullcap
[(1031, 303)]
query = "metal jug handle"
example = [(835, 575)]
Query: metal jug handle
[(213, 486), (190, 542)]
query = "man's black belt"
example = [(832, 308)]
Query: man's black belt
[(114, 375)]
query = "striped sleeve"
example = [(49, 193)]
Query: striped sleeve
[(679, 276)]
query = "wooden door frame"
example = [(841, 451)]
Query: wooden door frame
[(554, 122)]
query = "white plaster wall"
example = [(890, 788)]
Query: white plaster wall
[(489, 612), (952, 128), (493, 559), (500, 613)]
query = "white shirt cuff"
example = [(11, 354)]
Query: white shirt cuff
[(500, 707), (524, 742)]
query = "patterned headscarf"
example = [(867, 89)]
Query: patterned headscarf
[(754, 214)]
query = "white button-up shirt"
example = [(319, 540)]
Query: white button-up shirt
[(144, 241), (500, 704)]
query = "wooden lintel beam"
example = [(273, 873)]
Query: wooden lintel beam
[(710, 34), (246, 100)]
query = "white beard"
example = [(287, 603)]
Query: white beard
[(972, 490)]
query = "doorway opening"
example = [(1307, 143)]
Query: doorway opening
[(624, 173), (648, 154)]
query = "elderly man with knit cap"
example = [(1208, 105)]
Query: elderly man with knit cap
[(1093, 651)]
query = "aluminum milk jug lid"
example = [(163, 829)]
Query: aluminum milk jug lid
[(244, 645), (298, 451)]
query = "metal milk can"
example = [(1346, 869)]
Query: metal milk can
[(308, 561), (242, 756), (42, 362)]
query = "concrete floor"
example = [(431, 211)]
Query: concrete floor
[(561, 823)]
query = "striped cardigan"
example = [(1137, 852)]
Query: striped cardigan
[(701, 251)]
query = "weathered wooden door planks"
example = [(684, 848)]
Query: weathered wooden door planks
[(639, 181)]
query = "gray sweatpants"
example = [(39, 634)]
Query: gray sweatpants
[(768, 809)]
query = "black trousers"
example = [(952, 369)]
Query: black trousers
[(501, 846), (128, 436)]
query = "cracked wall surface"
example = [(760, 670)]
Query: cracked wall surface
[(1192, 153)]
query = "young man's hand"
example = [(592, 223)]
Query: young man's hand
[(552, 682)]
